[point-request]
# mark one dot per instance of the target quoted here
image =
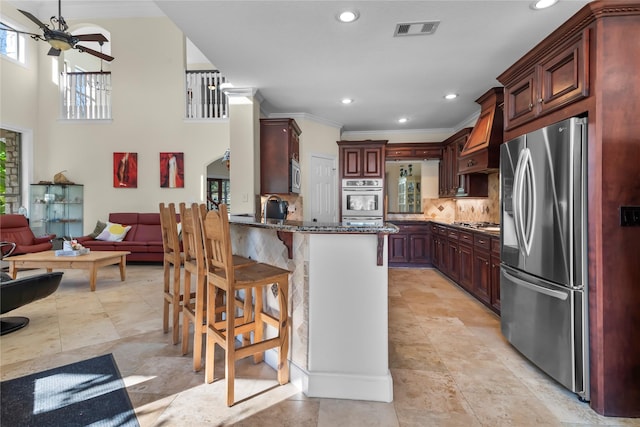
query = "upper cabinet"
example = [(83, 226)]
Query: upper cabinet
[(451, 182), (481, 152), (557, 79), (279, 145), (362, 159), (414, 150)]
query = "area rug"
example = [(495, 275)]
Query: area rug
[(86, 393)]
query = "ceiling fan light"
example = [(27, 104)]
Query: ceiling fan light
[(59, 44)]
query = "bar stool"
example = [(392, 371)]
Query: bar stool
[(193, 310), (253, 279), (171, 262)]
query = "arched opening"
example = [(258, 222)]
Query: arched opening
[(218, 184)]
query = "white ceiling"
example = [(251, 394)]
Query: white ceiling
[(302, 60)]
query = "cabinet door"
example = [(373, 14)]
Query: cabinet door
[(442, 174), (452, 177), (452, 260), (419, 248), (294, 144), (521, 100), (372, 162), (398, 252), (495, 283), (482, 276), (465, 255), (565, 75), (351, 162)]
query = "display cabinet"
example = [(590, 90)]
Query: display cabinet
[(56, 209), (409, 194)]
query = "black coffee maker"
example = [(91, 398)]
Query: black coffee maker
[(275, 208)]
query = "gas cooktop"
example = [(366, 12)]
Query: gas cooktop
[(489, 226)]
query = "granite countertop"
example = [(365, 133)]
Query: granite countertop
[(490, 231), (312, 227)]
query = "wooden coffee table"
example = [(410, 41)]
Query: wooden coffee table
[(91, 261)]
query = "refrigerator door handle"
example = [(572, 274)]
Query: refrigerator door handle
[(543, 290), (529, 223), (518, 196)]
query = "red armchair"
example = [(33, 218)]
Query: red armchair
[(15, 228)]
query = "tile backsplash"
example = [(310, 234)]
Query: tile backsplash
[(463, 209)]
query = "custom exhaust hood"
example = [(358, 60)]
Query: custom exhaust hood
[(481, 153)]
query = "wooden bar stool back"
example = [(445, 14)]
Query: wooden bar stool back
[(253, 279), (171, 263), (194, 310)]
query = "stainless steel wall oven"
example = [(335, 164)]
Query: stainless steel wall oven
[(362, 198)]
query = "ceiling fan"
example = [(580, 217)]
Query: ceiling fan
[(59, 38)]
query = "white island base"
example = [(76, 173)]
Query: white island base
[(348, 319), (339, 308)]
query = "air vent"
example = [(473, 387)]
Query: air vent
[(416, 28)]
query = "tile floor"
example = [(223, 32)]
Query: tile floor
[(449, 362)]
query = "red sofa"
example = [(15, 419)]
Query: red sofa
[(144, 239), (15, 228)]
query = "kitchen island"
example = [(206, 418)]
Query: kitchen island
[(338, 302)]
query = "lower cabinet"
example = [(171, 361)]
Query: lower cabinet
[(495, 274), (411, 246), (471, 259)]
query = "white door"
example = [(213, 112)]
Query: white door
[(324, 189)]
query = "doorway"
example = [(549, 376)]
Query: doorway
[(218, 188), (324, 189)]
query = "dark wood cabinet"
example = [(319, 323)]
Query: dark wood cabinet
[(495, 274), (465, 261), (411, 246), (471, 259), (482, 269), (448, 172), (560, 78), (474, 185), (417, 151), (362, 159), (279, 144)]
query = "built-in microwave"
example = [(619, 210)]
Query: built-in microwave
[(296, 181)]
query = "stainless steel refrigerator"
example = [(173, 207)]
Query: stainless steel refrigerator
[(543, 272)]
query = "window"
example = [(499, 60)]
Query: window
[(12, 45)]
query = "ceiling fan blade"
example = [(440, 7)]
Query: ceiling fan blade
[(6, 27), (94, 53), (91, 38), (54, 52), (35, 20)]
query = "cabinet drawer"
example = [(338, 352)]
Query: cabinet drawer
[(452, 234), (465, 237), (399, 153), (475, 162), (434, 229), (482, 241), (495, 245), (428, 153)]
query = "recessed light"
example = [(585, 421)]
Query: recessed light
[(347, 101), (451, 96), (403, 120), (348, 16), (542, 4)]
